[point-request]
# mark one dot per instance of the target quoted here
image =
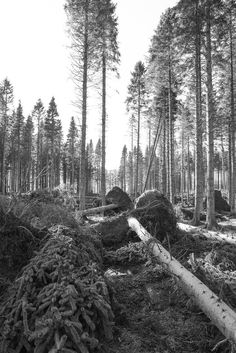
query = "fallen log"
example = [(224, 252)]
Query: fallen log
[(116, 199), (217, 311), (96, 210)]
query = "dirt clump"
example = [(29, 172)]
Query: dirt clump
[(117, 196), (155, 212)]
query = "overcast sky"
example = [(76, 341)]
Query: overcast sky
[(35, 58)]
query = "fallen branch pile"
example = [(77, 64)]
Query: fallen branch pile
[(60, 303), (133, 253), (18, 240)]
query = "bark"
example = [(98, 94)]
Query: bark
[(211, 221), (218, 312), (198, 124)]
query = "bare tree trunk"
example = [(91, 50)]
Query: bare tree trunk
[(163, 167), (138, 145), (222, 164), (211, 220), (103, 172), (199, 182), (82, 186), (188, 171), (232, 122), (171, 138), (182, 166)]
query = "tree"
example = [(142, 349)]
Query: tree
[(211, 221), (26, 157), (135, 103), (108, 57), (52, 129), (39, 114), (82, 24), (71, 144), (6, 99)]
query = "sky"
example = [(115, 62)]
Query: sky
[(34, 48)]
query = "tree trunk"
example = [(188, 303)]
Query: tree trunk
[(82, 185), (182, 165), (233, 123), (171, 137), (198, 124), (163, 166), (103, 171), (218, 312), (188, 171), (211, 221), (138, 147)]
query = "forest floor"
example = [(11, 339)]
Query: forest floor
[(155, 315)]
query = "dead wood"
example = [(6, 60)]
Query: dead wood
[(219, 313)]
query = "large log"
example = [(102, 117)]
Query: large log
[(218, 312), (116, 199), (96, 210)]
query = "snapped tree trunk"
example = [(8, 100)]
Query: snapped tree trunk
[(218, 312)]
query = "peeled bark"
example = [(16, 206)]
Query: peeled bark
[(217, 311)]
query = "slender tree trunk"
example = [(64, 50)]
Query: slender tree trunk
[(233, 123), (222, 164), (138, 143), (103, 172), (163, 167), (199, 182), (182, 166), (211, 221), (188, 172), (82, 187), (171, 138)]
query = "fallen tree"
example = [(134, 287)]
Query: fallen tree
[(116, 199), (218, 312), (154, 212)]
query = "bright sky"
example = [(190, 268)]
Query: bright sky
[(35, 58)]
